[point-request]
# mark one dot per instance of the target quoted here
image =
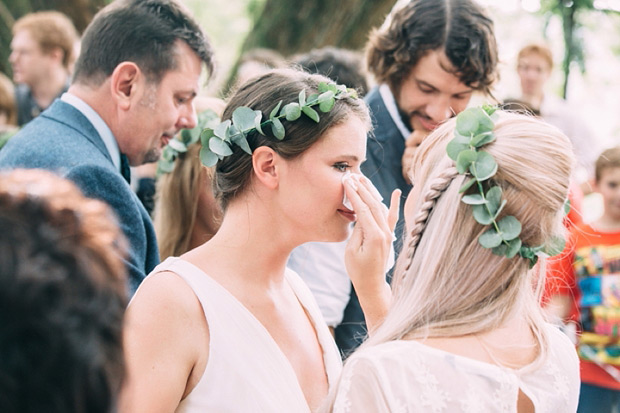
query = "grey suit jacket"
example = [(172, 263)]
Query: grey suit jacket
[(62, 140)]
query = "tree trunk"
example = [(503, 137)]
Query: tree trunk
[(298, 27), (568, 24)]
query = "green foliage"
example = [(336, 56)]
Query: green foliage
[(474, 129), (217, 141), (186, 138)]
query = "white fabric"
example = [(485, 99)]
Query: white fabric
[(246, 370), (407, 376), (99, 124), (586, 147), (321, 266)]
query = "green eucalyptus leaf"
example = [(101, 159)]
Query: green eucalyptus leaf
[(482, 215), (323, 87), (312, 99), (332, 87), (258, 117), (177, 145), (168, 154), (207, 157), (277, 128), (352, 93), (482, 139), (219, 147), (490, 238), (500, 250), (327, 105), (514, 246), (292, 111), (205, 135), (554, 246), (185, 135), (456, 146), (302, 97), (325, 96), (485, 123), (509, 227), (221, 130), (484, 166), (494, 199), (243, 118), (489, 109), (464, 160), (275, 110), (165, 166), (467, 122), (473, 199), (467, 185), (501, 206), (566, 206), (311, 113), (242, 142)]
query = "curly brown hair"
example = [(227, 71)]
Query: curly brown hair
[(460, 28)]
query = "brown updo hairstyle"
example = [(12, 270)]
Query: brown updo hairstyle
[(233, 173)]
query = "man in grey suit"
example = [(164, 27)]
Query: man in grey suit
[(132, 91)]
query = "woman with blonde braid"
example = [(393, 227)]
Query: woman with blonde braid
[(465, 332)]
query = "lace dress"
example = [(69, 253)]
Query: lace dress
[(246, 370), (407, 376)]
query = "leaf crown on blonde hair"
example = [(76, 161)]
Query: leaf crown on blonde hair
[(474, 129)]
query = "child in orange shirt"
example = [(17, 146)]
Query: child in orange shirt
[(586, 281)]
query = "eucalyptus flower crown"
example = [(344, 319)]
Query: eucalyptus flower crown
[(217, 142), (474, 129), (217, 138)]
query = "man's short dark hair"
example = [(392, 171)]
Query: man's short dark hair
[(460, 28), (139, 31), (62, 298)]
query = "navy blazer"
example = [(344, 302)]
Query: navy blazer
[(64, 141), (384, 152)]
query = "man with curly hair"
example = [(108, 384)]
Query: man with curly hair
[(428, 58)]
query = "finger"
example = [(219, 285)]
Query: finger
[(361, 200), (394, 210), (371, 208)]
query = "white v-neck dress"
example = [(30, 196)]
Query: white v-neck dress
[(246, 370)]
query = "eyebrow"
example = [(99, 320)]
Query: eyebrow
[(351, 157)]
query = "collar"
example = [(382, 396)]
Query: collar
[(99, 124), (392, 108)]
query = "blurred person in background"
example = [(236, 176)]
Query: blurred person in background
[(8, 111), (42, 51)]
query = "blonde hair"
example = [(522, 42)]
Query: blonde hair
[(176, 202), (454, 286)]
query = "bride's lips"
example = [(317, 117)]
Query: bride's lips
[(165, 139), (348, 214)]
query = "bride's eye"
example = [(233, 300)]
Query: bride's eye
[(342, 166)]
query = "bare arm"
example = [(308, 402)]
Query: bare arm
[(164, 333)]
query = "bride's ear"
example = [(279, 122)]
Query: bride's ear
[(265, 162)]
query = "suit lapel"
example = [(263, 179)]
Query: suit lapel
[(69, 116)]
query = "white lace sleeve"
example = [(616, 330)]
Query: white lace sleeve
[(360, 389)]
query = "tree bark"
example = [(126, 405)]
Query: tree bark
[(298, 27)]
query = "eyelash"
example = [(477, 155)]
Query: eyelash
[(342, 167)]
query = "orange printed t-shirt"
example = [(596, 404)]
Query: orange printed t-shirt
[(589, 271)]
